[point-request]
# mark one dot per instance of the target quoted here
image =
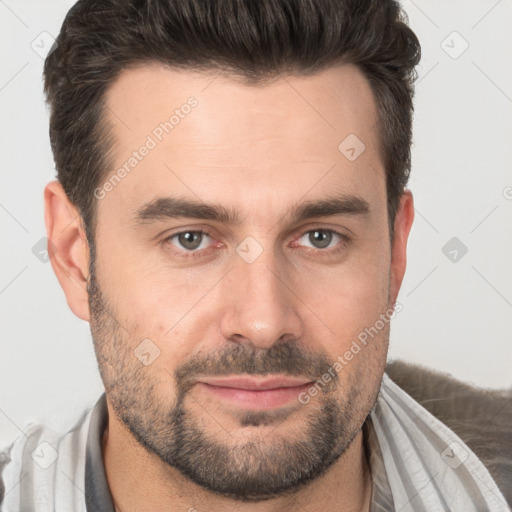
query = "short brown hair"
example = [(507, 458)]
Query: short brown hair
[(253, 39)]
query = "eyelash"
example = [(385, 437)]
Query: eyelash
[(199, 253)]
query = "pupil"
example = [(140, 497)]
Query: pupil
[(320, 239)]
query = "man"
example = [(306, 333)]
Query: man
[(231, 218)]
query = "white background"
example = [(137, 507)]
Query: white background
[(456, 315)]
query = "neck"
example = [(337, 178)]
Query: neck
[(139, 480)]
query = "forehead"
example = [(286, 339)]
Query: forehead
[(216, 137)]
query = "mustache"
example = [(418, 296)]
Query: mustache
[(287, 358)]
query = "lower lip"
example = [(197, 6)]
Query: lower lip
[(262, 399)]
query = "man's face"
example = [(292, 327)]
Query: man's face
[(281, 287)]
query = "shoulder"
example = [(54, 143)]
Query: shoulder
[(31, 464), (11, 457), (5, 458), (482, 418)]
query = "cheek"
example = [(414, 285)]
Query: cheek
[(349, 303), (160, 303), (350, 297)]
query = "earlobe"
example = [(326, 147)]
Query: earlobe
[(68, 248), (402, 227)]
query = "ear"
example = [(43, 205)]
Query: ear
[(67, 247), (402, 227)]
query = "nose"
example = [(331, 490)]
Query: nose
[(260, 305)]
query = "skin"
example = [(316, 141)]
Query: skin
[(262, 150)]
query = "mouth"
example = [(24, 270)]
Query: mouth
[(255, 393)]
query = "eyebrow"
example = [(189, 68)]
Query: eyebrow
[(165, 208)]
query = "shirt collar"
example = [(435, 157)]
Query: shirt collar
[(97, 492)]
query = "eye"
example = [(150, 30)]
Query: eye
[(321, 238), (190, 240)]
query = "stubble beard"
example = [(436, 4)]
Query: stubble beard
[(291, 453)]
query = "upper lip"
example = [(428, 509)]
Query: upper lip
[(255, 383)]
